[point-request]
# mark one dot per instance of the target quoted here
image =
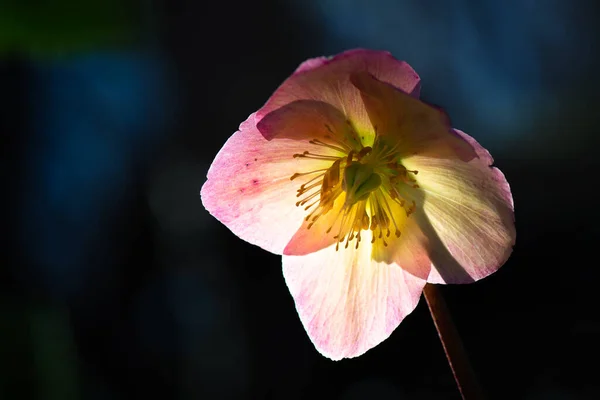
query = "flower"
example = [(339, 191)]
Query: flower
[(366, 192)]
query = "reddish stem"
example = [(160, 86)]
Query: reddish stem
[(455, 352)]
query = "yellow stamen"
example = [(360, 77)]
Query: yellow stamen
[(371, 178)]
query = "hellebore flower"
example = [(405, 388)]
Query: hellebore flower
[(367, 192)]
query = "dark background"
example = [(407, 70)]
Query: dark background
[(117, 284)]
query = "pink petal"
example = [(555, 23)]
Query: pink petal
[(328, 80), (306, 241), (249, 187), (468, 210), (347, 302), (416, 127), (305, 120), (312, 63), (410, 250)]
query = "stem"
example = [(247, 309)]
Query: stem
[(455, 353)]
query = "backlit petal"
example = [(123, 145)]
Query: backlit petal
[(410, 250), (468, 215), (249, 188), (306, 241), (413, 126), (306, 120), (328, 80), (347, 302)]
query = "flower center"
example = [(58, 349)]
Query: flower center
[(365, 186)]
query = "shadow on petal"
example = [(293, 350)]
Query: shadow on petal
[(420, 250), (442, 261)]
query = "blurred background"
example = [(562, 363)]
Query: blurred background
[(117, 284)]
